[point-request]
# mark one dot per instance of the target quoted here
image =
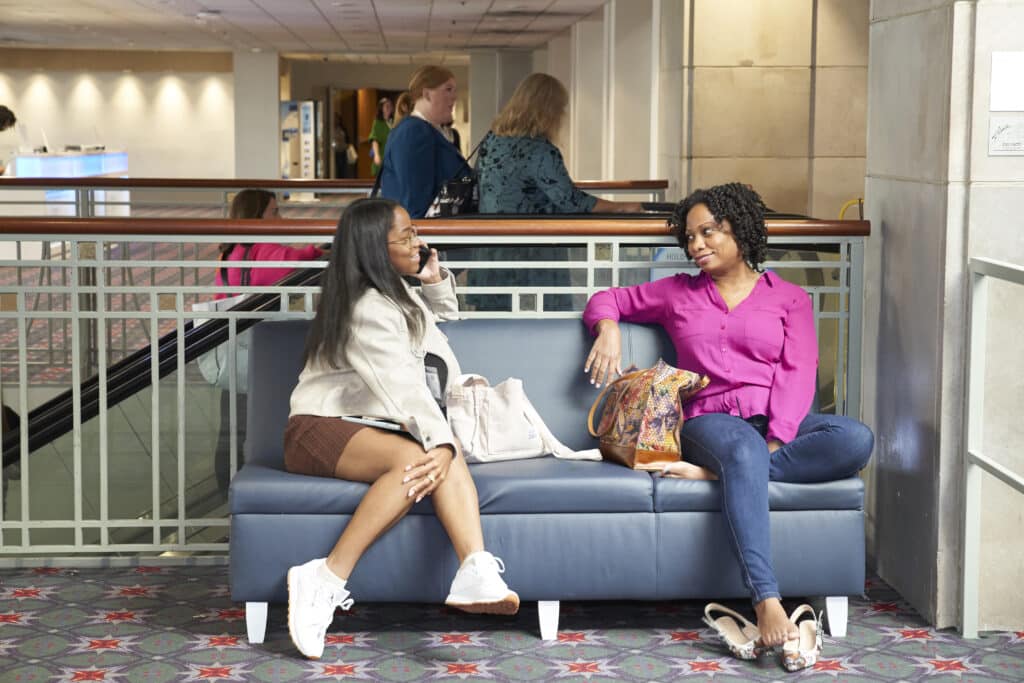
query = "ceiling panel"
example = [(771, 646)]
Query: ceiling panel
[(293, 26)]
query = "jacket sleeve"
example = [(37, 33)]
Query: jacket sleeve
[(638, 304), (793, 382), (386, 358), (440, 297)]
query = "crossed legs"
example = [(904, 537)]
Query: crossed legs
[(826, 447), (380, 459)]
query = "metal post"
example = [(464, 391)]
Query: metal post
[(977, 318)]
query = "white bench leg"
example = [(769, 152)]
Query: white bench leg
[(256, 621), (547, 610), (837, 608)]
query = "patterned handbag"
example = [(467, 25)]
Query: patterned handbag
[(639, 426)]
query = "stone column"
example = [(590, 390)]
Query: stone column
[(257, 113), (935, 198)]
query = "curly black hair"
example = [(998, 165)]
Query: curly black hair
[(737, 203), (7, 118)]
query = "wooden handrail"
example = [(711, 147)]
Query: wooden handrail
[(639, 226), (276, 183)]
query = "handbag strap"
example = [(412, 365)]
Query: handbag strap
[(465, 162), (590, 417)]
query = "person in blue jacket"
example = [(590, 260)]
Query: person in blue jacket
[(418, 157)]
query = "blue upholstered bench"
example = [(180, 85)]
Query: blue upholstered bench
[(567, 530)]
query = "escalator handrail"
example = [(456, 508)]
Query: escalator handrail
[(132, 374)]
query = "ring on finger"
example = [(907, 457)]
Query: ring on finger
[(431, 477)]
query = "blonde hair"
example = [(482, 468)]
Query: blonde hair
[(403, 107), (427, 77), (536, 108)]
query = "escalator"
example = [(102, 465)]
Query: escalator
[(130, 375)]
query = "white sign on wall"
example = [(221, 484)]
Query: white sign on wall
[(1006, 105)]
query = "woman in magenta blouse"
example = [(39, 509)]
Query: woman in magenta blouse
[(752, 333)]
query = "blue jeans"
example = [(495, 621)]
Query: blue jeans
[(827, 447)]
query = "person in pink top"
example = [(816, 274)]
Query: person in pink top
[(752, 333), (258, 204)]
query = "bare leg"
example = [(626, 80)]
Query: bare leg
[(378, 458), (458, 509)]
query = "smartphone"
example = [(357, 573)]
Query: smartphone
[(424, 257)]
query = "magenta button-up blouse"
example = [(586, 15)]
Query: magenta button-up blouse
[(761, 357)]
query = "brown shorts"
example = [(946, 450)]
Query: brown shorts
[(313, 444)]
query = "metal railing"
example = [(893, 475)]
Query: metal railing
[(982, 271), (140, 477), (211, 197)]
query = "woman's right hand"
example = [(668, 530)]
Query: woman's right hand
[(605, 360)]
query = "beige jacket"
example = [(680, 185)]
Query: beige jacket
[(382, 373)]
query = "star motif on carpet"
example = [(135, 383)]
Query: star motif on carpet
[(907, 633), (91, 644), (576, 638), (218, 642), (119, 616), (343, 671), (878, 608), (92, 673), (835, 667), (939, 666), (136, 591), (701, 666), (671, 637), (461, 669), (361, 639), (19, 618), (584, 669), (222, 672), (454, 639), (29, 593)]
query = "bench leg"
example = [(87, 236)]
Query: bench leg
[(256, 621), (547, 610), (837, 608)]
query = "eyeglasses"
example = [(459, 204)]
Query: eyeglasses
[(407, 241)]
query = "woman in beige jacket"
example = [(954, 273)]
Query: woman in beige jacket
[(374, 349)]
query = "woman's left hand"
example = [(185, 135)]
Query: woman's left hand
[(427, 474), (431, 273)]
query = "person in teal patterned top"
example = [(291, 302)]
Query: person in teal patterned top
[(520, 170)]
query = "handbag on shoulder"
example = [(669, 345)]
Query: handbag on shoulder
[(639, 426), (460, 194)]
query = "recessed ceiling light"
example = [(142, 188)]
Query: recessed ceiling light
[(208, 14)]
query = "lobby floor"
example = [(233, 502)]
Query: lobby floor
[(179, 624)]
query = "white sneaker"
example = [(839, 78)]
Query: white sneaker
[(479, 589), (311, 604)]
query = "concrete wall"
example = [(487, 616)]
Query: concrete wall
[(935, 198), (780, 103), (173, 120), (996, 231)]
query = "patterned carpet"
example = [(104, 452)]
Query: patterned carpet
[(179, 624)]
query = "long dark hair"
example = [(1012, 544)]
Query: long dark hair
[(359, 261), (246, 204)]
